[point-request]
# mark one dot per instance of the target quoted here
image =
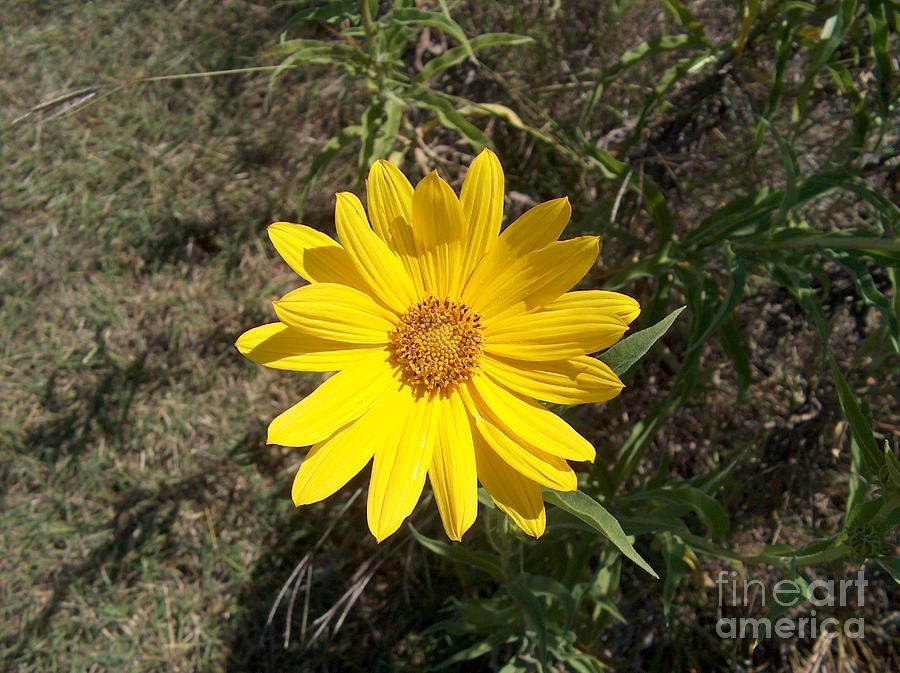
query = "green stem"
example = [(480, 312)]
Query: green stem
[(366, 13)]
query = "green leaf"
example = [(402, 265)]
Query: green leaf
[(708, 509), (736, 350), (673, 554), (893, 468), (669, 79), (712, 483), (533, 611), (879, 29), (323, 158), (688, 20), (585, 508), (451, 119), (872, 458), (445, 24), (732, 298), (800, 590), (679, 500), (870, 293), (329, 12), (456, 55), (489, 644), (648, 49), (641, 433), (541, 585), (628, 351), (783, 50), (836, 27), (386, 136), (456, 552), (892, 566)]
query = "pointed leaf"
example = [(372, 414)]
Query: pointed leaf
[(631, 349), (584, 507)]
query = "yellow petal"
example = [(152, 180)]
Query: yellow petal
[(377, 265), (534, 230), (313, 255), (452, 473), (578, 380), (518, 497), (281, 347), (439, 231), (555, 332), (537, 228), (340, 400), (531, 281), (532, 464), (527, 459), (332, 463), (528, 422), (482, 203), (337, 313), (597, 302), (401, 463), (389, 197)]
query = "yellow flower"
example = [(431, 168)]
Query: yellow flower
[(444, 333)]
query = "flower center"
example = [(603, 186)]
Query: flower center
[(437, 343)]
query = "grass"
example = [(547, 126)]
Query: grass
[(145, 524)]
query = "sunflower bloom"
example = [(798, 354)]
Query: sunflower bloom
[(445, 333)]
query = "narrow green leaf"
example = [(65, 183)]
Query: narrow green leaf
[(672, 549), (879, 29), (533, 611), (386, 136), (893, 468), (323, 158), (669, 79), (732, 297), (736, 350), (456, 552), (413, 15), (644, 50), (641, 433), (585, 508), (678, 501), (892, 566), (688, 20), (708, 509), (783, 50), (329, 12), (872, 458), (541, 585), (456, 55), (628, 351), (712, 483), (451, 119), (836, 27)]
